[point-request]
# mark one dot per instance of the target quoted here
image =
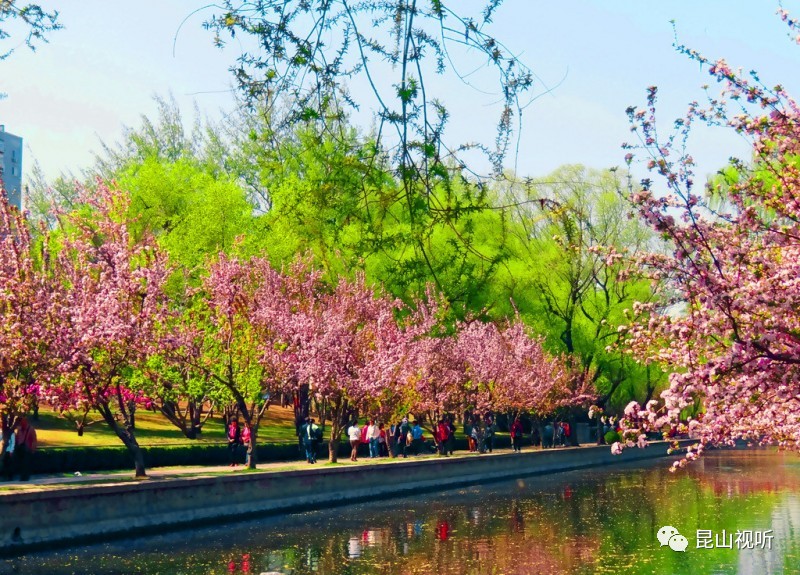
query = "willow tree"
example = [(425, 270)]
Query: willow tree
[(567, 274), (328, 58), (28, 20)]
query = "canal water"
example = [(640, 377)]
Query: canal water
[(734, 512)]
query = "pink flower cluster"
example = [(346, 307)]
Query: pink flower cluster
[(729, 330)]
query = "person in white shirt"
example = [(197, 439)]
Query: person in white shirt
[(354, 433), (8, 455), (374, 434)]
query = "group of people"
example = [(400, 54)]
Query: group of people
[(406, 437), (20, 446), (402, 438), (556, 433), (237, 436), (480, 433)]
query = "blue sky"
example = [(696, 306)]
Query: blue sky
[(101, 72)]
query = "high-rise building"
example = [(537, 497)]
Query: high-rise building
[(11, 166)]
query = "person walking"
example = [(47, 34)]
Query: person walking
[(391, 440), (311, 432), (443, 437), (547, 438), (401, 438), (479, 433), (451, 441), (234, 433), (559, 431), (567, 432), (516, 435), (488, 434), (8, 457), (24, 447), (246, 443), (383, 445), (417, 442), (470, 429), (354, 434), (373, 434)]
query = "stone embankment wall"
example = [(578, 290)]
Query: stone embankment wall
[(75, 515)]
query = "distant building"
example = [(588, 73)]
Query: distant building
[(11, 166)]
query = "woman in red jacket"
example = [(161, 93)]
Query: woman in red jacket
[(443, 436)]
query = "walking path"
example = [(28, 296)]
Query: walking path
[(46, 482)]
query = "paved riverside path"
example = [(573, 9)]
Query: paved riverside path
[(48, 482)]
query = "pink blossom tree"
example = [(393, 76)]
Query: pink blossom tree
[(345, 351), (244, 311), (183, 393), (108, 298), (25, 306), (431, 382), (509, 371), (731, 337)]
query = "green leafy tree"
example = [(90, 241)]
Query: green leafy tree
[(569, 274), (335, 196)]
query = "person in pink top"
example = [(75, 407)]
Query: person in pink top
[(246, 443), (234, 433), (364, 432)]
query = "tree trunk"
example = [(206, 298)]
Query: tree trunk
[(333, 447), (128, 438), (390, 443), (133, 446), (138, 458), (132, 414)]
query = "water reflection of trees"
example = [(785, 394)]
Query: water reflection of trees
[(750, 475), (563, 528)]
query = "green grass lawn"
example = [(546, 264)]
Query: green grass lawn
[(153, 429)]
